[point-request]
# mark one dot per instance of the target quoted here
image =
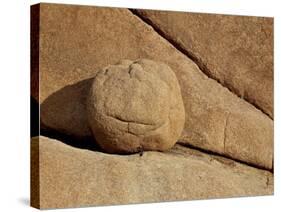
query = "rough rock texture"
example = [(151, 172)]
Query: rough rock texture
[(134, 106), (89, 38), (235, 50), (71, 177)]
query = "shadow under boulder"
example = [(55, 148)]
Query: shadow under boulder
[(65, 110)]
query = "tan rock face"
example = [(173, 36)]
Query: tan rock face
[(102, 36), (135, 105), (235, 50), (71, 177)]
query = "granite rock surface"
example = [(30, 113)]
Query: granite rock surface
[(72, 177), (135, 106), (235, 50)]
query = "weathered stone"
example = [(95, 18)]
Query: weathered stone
[(71, 177), (134, 106), (89, 38), (235, 50)]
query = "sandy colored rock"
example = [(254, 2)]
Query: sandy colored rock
[(102, 36), (65, 110), (71, 177), (134, 106), (235, 50)]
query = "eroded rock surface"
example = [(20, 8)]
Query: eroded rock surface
[(71, 177), (235, 50), (134, 106), (217, 120)]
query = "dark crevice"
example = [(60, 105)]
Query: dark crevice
[(209, 152), (86, 142), (198, 61)]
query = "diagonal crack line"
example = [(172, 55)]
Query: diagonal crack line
[(224, 131), (191, 56), (211, 153)]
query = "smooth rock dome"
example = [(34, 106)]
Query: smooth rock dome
[(134, 106)]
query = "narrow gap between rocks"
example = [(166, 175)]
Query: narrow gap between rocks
[(81, 142), (86, 142), (191, 56)]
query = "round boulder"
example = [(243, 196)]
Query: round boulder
[(134, 106)]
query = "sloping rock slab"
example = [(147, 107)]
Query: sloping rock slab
[(72, 177), (235, 50)]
